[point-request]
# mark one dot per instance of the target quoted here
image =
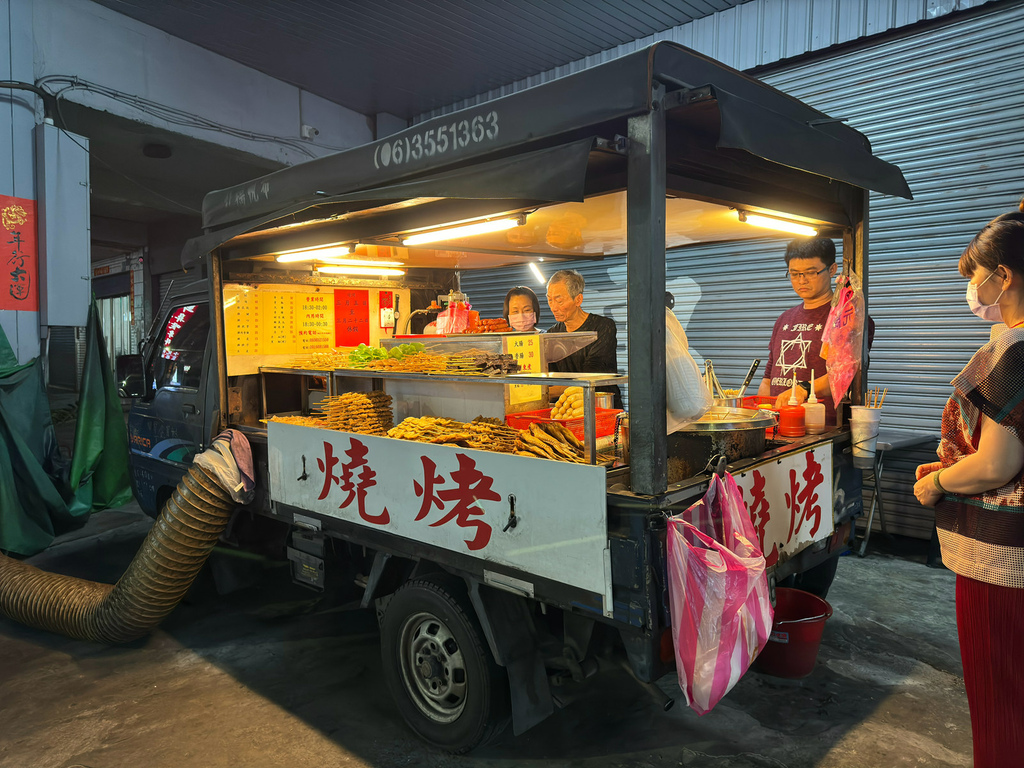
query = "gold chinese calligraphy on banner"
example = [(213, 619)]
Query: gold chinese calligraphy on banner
[(20, 264)]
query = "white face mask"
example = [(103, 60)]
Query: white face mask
[(523, 322), (990, 312)]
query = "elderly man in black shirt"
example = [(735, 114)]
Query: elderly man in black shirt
[(565, 298)]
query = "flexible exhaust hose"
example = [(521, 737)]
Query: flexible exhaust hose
[(157, 579)]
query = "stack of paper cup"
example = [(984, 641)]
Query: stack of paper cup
[(864, 431)]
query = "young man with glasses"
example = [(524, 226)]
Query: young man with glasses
[(795, 347)]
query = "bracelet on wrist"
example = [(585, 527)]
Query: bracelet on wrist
[(805, 386), (936, 483)]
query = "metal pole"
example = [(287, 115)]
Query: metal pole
[(645, 275), (856, 244), (217, 318)]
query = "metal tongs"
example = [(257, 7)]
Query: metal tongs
[(711, 380)]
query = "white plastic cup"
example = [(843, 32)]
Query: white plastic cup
[(864, 430)]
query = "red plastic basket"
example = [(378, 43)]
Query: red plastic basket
[(604, 420), (753, 401)]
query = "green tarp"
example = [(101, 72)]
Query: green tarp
[(40, 496)]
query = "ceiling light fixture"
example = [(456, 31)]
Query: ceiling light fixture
[(319, 252), (771, 222), (465, 230), (366, 271), (537, 273)]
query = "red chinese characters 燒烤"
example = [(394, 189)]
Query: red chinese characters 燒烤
[(760, 514), (802, 499), (471, 486), (356, 455)]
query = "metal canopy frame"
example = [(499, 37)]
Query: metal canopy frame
[(663, 121)]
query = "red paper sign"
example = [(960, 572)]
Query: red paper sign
[(351, 318), (19, 265)]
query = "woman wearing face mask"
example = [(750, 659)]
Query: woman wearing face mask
[(977, 489), (522, 308)]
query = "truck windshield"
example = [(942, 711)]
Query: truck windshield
[(178, 361)]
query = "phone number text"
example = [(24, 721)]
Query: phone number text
[(437, 141)]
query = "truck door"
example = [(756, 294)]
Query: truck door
[(167, 426)]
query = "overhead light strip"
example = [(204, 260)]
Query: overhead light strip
[(309, 254), (465, 230), (781, 225), (366, 271)]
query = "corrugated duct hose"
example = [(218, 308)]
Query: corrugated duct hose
[(157, 579)]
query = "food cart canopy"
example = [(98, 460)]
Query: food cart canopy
[(552, 143), (752, 114)]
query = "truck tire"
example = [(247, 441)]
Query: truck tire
[(438, 668)]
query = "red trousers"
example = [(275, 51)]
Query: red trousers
[(990, 623)]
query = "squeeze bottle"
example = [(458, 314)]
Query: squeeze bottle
[(814, 413), (791, 417)]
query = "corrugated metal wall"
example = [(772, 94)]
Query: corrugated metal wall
[(941, 106), (944, 105), (65, 357), (758, 33)]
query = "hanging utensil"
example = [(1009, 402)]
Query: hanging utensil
[(749, 378), (714, 380)]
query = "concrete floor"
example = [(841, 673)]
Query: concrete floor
[(270, 676)]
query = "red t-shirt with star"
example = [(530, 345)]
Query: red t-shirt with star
[(795, 350)]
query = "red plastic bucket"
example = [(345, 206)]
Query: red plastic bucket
[(792, 647)]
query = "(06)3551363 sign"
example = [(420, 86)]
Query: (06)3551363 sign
[(444, 139)]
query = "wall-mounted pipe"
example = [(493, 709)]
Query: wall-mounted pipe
[(157, 579)]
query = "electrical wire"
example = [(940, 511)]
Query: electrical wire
[(174, 115)]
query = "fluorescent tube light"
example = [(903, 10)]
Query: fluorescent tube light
[(770, 222), (537, 273), (372, 271), (309, 254), (466, 230), (359, 262)]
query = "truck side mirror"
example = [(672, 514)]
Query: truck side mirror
[(130, 379)]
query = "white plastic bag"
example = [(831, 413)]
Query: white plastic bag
[(686, 397)]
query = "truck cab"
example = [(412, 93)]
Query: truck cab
[(174, 409)]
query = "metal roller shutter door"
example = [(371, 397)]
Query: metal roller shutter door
[(937, 103)]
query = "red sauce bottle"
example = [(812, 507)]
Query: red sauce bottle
[(792, 419)]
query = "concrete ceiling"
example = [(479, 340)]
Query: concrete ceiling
[(405, 57), (126, 184), (402, 57)]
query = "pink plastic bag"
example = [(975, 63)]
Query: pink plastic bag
[(841, 343), (454, 319), (718, 594)]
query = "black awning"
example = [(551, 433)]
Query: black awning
[(552, 175), (594, 102), (781, 139)]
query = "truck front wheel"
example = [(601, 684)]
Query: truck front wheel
[(438, 667)]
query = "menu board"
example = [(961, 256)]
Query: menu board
[(269, 325), (276, 321), (526, 351)]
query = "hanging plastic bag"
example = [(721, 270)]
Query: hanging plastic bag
[(454, 319), (718, 594), (686, 397), (843, 338)]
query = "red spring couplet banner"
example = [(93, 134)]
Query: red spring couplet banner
[(19, 265)]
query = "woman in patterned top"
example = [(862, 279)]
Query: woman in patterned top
[(977, 489)]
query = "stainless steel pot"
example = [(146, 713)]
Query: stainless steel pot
[(737, 433)]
